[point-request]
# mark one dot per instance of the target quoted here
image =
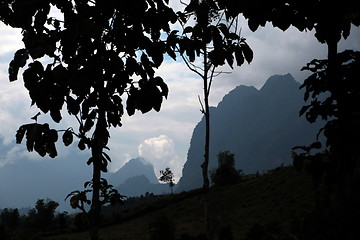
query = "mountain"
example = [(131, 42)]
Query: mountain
[(24, 181), (139, 185), (134, 167), (259, 126), (136, 178)]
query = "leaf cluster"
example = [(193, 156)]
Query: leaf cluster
[(339, 105), (108, 195), (340, 108), (214, 35), (226, 174), (39, 137), (166, 175), (330, 19), (88, 60)]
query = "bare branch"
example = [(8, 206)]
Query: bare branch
[(202, 110), (190, 65)]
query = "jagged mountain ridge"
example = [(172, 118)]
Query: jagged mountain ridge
[(140, 185), (259, 126), (137, 177), (134, 167)]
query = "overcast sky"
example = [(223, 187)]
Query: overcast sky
[(163, 138)]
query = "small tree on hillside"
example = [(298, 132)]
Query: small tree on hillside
[(10, 218), (42, 216), (168, 177), (226, 173)]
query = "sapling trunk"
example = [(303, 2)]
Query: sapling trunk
[(98, 144)]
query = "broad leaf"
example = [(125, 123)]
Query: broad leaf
[(67, 137), (20, 58), (239, 56), (248, 53)]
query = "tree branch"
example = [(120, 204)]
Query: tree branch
[(202, 110)]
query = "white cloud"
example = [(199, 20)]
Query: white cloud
[(160, 151), (10, 40), (275, 52)]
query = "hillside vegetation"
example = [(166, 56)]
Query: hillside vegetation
[(275, 200)]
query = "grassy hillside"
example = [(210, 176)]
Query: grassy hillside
[(277, 199)]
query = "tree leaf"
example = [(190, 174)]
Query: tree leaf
[(164, 88), (20, 58), (304, 109), (130, 105), (316, 145), (106, 156), (20, 133), (248, 53), (90, 161), (224, 29), (239, 56), (188, 29), (81, 145), (67, 137), (51, 149)]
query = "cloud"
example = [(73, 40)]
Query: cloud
[(275, 52), (10, 40), (160, 151)]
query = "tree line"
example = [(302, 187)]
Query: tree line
[(42, 218)]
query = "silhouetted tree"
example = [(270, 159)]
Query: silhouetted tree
[(226, 174), (44, 214), (336, 170), (168, 177), (96, 52), (215, 40), (10, 218)]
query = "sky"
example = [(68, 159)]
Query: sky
[(163, 137)]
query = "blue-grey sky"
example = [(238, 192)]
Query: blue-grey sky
[(162, 137)]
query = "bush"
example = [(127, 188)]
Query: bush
[(226, 174)]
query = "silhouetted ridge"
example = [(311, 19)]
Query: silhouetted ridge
[(279, 82), (134, 167), (259, 126), (139, 185)]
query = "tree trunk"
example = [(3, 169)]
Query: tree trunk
[(95, 204), (205, 164), (99, 142), (206, 111)]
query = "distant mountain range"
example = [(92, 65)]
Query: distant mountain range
[(136, 178), (134, 167), (259, 126)]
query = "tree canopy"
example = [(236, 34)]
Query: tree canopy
[(85, 59)]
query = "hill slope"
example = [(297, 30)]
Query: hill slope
[(277, 199)]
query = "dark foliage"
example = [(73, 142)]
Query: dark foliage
[(81, 221), (168, 177), (10, 218), (226, 174), (98, 52), (336, 171), (162, 229)]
